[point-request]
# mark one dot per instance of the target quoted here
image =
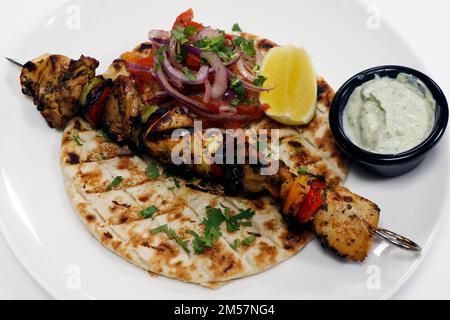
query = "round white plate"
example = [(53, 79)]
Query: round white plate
[(50, 241)]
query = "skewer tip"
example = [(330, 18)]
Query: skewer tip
[(14, 62)]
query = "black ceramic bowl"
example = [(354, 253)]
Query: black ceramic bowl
[(387, 164)]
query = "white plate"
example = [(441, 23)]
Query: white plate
[(50, 241)]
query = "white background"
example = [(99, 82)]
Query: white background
[(424, 24)]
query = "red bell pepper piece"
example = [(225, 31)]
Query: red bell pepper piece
[(95, 113), (312, 202)]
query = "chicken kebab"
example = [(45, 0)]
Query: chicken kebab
[(199, 73)]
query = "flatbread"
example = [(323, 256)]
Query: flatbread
[(90, 163)]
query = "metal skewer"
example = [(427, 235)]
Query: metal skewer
[(395, 239), (383, 234), (14, 62)]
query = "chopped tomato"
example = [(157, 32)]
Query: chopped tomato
[(185, 19), (250, 110), (197, 25), (192, 61), (229, 36), (213, 104), (138, 59), (312, 202)]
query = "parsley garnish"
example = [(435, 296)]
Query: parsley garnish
[(198, 243), (76, 139), (302, 170), (236, 28), (246, 242), (249, 240), (234, 223), (159, 56), (188, 74), (152, 171), (214, 218), (180, 35), (217, 45), (259, 81), (117, 180), (247, 46), (236, 244), (237, 86), (235, 102), (190, 31), (148, 212), (172, 234)]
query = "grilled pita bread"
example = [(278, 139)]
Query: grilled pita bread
[(90, 163)]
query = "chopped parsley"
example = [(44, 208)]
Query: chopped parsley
[(259, 81), (236, 244), (190, 31), (159, 56), (214, 218), (152, 171), (246, 242), (117, 180), (247, 46), (249, 240), (237, 86), (76, 139), (236, 28), (188, 74), (302, 170), (173, 235), (235, 102), (234, 223), (148, 212), (218, 45), (181, 34)]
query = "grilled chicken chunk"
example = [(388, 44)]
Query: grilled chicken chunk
[(343, 223), (55, 82), (122, 109)]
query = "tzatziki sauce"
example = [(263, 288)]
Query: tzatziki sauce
[(389, 115)]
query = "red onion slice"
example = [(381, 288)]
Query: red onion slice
[(220, 83), (158, 42), (243, 70), (252, 87), (207, 96), (227, 109), (137, 67), (207, 32), (259, 57), (193, 105), (161, 34), (193, 50), (172, 55), (238, 56), (179, 77)]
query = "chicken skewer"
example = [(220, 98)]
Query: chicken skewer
[(345, 222)]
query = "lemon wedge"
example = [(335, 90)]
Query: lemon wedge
[(290, 72)]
